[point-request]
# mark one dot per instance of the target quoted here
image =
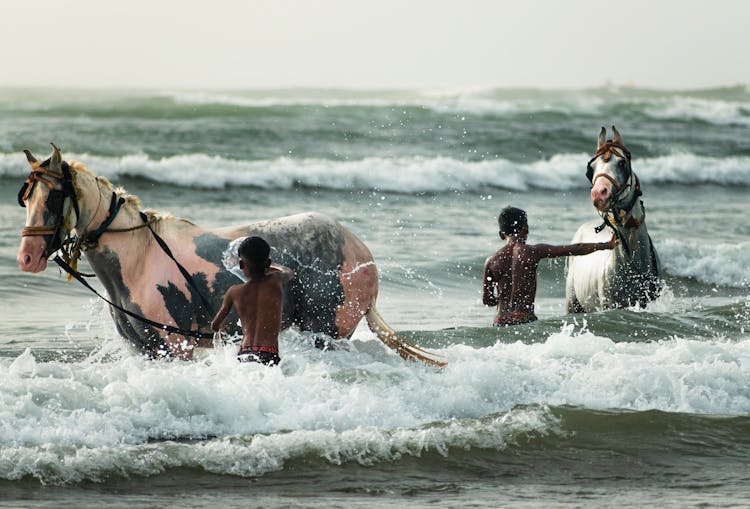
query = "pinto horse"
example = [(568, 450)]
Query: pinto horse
[(164, 276), (629, 274)]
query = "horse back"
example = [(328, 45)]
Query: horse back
[(335, 277)]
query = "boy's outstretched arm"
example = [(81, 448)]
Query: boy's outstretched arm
[(582, 248), (221, 315)]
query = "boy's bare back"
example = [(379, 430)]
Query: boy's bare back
[(510, 279), (258, 303)]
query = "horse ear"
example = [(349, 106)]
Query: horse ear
[(602, 138), (56, 159), (616, 136), (31, 159)]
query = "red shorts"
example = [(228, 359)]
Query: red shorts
[(514, 318), (263, 354)]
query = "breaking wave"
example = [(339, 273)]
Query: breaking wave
[(401, 174)]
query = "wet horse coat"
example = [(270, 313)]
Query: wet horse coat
[(335, 281), (629, 274)]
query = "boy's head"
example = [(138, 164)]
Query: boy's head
[(512, 221), (254, 253)]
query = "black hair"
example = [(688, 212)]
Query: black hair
[(512, 220), (255, 250)]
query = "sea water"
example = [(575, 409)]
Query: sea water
[(629, 407)]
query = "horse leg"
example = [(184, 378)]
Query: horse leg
[(335, 306), (359, 279), (313, 299), (573, 305)]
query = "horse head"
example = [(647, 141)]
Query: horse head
[(51, 207), (610, 173), (630, 273)]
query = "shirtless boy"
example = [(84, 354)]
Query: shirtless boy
[(257, 302), (510, 274)]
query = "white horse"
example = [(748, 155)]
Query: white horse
[(629, 274), (164, 275)]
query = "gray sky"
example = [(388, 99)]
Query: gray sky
[(228, 44)]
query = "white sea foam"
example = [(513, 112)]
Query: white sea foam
[(66, 422), (255, 455), (711, 263), (402, 174)]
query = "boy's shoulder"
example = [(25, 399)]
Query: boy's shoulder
[(503, 251), (499, 255), (235, 288)]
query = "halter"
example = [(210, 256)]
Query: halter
[(56, 202), (72, 246), (617, 215), (605, 151), (54, 234)]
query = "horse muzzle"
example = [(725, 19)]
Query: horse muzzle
[(601, 197), (32, 255)]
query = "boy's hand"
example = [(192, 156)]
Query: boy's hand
[(613, 242)]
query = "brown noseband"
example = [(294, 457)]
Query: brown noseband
[(608, 177), (39, 174), (605, 151), (55, 203)]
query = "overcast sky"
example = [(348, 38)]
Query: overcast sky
[(226, 44)]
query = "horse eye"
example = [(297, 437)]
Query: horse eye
[(55, 201), (621, 163)]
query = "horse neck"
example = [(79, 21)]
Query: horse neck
[(635, 215), (633, 232), (95, 197)]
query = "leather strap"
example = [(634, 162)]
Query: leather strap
[(165, 327)]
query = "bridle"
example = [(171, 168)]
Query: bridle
[(617, 215), (59, 237), (58, 203), (605, 151)]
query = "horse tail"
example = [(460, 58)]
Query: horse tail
[(392, 340)]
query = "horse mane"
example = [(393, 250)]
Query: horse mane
[(131, 200)]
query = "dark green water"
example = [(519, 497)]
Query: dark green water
[(626, 408)]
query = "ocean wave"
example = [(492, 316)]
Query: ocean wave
[(67, 422), (724, 106), (272, 98), (255, 455), (693, 108), (710, 263), (401, 174), (123, 418), (721, 106)]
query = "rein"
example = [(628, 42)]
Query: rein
[(72, 247), (617, 217), (163, 326), (622, 216), (91, 239), (605, 152), (40, 172), (69, 259)]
